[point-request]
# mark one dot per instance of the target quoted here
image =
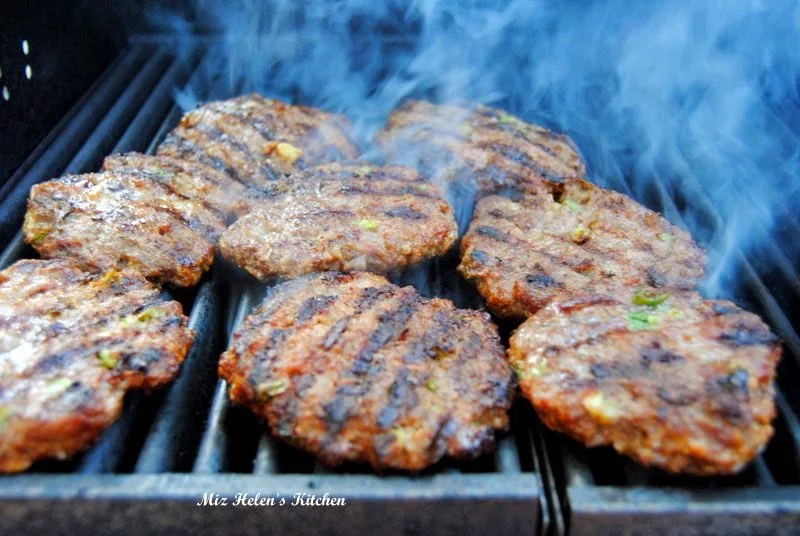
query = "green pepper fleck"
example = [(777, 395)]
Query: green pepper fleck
[(365, 170), (572, 205), (273, 388), (39, 236), (151, 313), (642, 320), (431, 385), (507, 118), (57, 385), (643, 297), (666, 237), (107, 358), (369, 225), (5, 416)]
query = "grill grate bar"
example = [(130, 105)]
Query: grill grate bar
[(151, 115), (55, 151), (113, 125), (770, 309), (213, 453), (181, 419)]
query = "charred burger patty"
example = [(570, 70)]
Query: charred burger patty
[(352, 368), (342, 217), (670, 379), (71, 345)]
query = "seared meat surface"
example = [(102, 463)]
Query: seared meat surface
[(190, 180), (71, 345), (669, 379), (342, 217), (256, 140), (524, 250), (478, 148), (123, 219), (352, 368)]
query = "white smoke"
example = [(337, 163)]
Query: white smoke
[(701, 96)]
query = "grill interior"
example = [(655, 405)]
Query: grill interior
[(172, 446)]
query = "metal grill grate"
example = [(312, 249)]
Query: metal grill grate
[(170, 448), (151, 467)]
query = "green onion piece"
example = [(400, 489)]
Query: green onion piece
[(642, 320), (369, 225), (274, 388), (151, 313), (431, 385), (5, 416), (573, 206), (39, 236), (650, 299), (366, 170), (508, 118), (57, 385), (581, 235), (107, 358), (666, 237)]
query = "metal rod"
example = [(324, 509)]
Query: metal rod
[(114, 124), (106, 455), (212, 455), (152, 113), (176, 427)]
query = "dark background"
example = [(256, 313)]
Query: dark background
[(70, 45)]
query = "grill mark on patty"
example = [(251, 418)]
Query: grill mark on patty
[(176, 213), (426, 347), (94, 323), (154, 167), (365, 190), (263, 358), (185, 148), (405, 213), (313, 306), (390, 325), (220, 136), (493, 233), (402, 397), (744, 335), (369, 296), (155, 177), (519, 157)]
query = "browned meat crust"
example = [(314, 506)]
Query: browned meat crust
[(190, 180), (673, 381), (255, 140), (71, 345), (342, 217), (353, 368), (524, 250), (477, 147), (114, 219)]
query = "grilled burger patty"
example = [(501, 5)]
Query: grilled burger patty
[(671, 380), (119, 219), (480, 147), (255, 140), (523, 250), (342, 217), (71, 345), (191, 180), (353, 368)]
